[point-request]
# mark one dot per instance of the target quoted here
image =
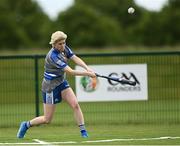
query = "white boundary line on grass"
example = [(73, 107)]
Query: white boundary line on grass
[(131, 139), (40, 142), (50, 143)]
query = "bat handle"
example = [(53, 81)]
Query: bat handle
[(98, 75)]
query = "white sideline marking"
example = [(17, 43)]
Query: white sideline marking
[(65, 142), (50, 143), (40, 142), (131, 139), (29, 143)]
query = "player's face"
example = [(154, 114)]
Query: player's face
[(60, 45)]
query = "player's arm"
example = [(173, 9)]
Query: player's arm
[(71, 71), (81, 63)]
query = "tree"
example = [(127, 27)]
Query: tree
[(160, 28), (171, 22), (116, 9), (87, 27), (22, 24), (100, 23)]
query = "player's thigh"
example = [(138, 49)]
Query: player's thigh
[(69, 96), (49, 110)]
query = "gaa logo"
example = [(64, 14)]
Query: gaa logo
[(89, 84)]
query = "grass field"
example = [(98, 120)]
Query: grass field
[(115, 123), (99, 135)]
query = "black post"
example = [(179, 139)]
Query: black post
[(36, 86)]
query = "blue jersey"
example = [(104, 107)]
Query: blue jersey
[(55, 62)]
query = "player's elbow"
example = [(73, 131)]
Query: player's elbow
[(69, 71)]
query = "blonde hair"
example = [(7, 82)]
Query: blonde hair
[(58, 35)]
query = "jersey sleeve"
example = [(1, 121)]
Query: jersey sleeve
[(69, 52)]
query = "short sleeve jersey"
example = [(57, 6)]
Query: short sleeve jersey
[(55, 62)]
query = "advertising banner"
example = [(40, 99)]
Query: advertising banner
[(99, 89)]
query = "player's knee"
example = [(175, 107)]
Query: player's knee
[(47, 120), (75, 105)]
